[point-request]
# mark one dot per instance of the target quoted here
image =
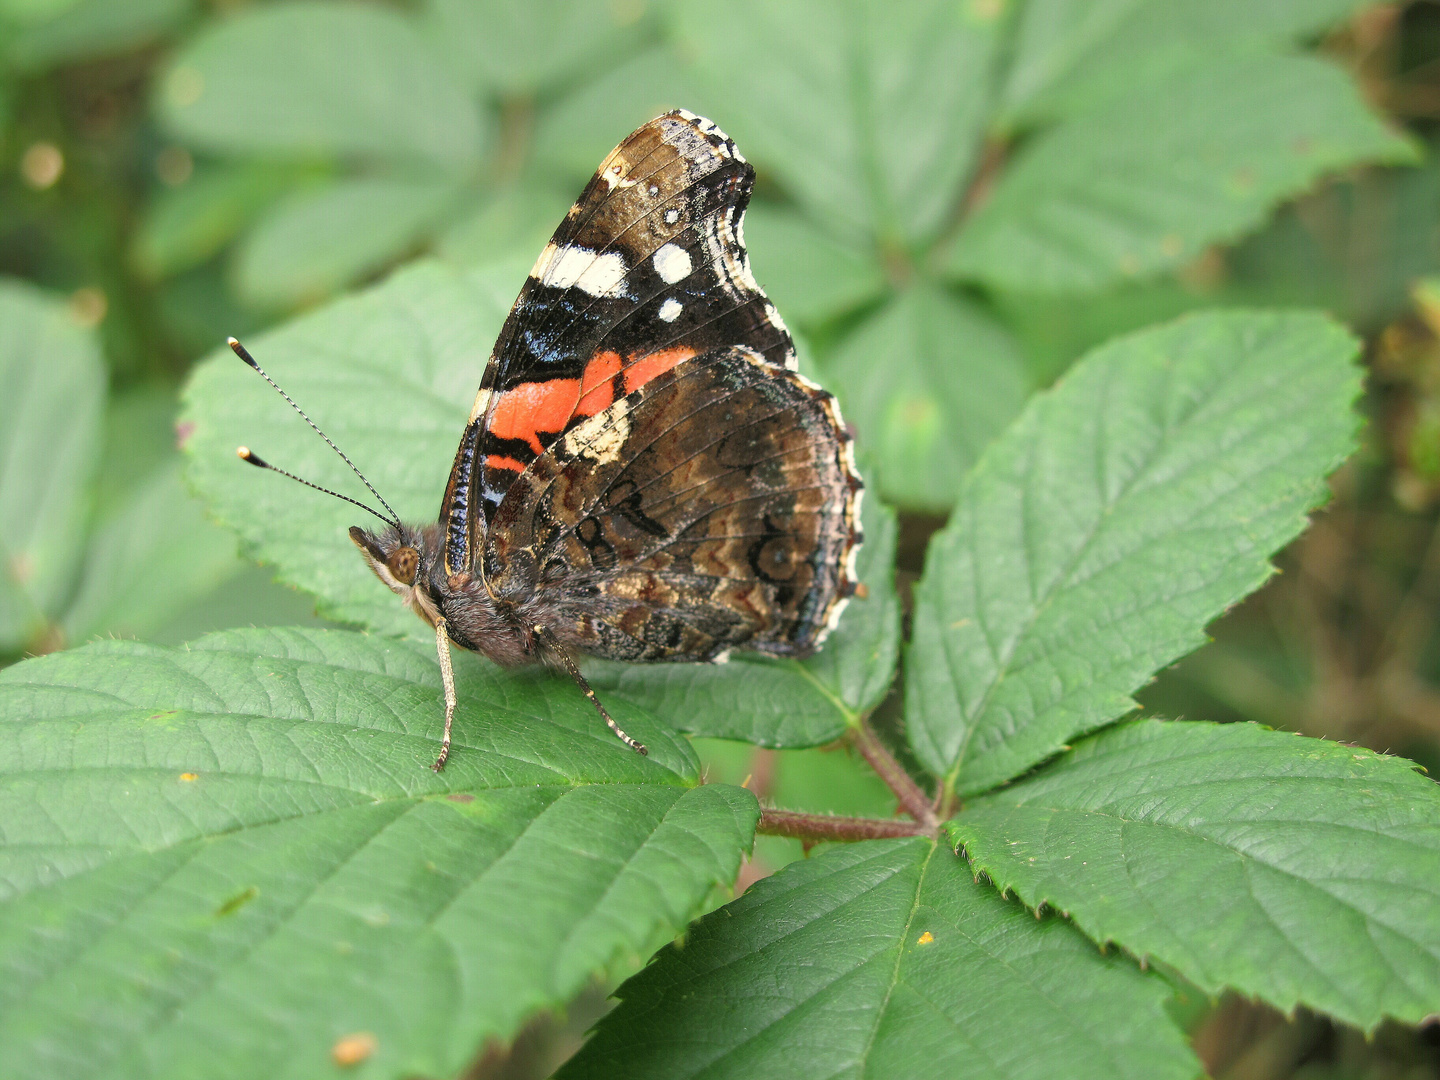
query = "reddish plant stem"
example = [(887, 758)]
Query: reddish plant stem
[(814, 828), (907, 793)]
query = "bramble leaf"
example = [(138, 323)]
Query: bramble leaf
[(320, 78), (885, 958), (49, 444), (1146, 181), (1124, 509), (238, 854), (1298, 871)]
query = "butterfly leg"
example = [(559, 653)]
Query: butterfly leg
[(447, 676), (553, 644)]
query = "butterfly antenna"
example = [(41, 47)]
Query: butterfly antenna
[(245, 454)]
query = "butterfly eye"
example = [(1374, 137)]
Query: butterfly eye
[(403, 563)]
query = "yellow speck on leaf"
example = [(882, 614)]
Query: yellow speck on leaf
[(189, 777), (925, 939), (353, 1049)]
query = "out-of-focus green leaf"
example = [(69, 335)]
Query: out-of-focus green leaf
[(1070, 55), (315, 242), (1147, 182), (199, 309), (50, 414), (575, 133), (33, 11), (1290, 869), (390, 376), (784, 702), (187, 225), (809, 274), (148, 560), (885, 959), (870, 113), (260, 861), (151, 550), (1124, 509), (319, 78), (79, 31), (513, 223), (519, 48), (249, 598), (928, 381)]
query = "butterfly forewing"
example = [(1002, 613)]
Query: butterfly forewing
[(648, 269)]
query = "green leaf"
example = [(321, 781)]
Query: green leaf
[(1290, 869), (928, 382), (869, 113), (92, 28), (1124, 510), (389, 375), (315, 242), (148, 560), (1069, 55), (809, 274), (187, 225), (884, 959), (1144, 184), (516, 222), (784, 702), (227, 857), (319, 78), (151, 550), (573, 135), (50, 414), (518, 49)]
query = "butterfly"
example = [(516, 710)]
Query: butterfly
[(644, 476)]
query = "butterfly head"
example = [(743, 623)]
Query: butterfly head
[(402, 557)]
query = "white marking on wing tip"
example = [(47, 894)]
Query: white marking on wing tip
[(581, 268), (831, 621), (775, 319), (670, 309), (672, 263), (722, 657)]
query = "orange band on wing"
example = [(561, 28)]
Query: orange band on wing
[(657, 363), (524, 411), (498, 461), (597, 386), (528, 409)]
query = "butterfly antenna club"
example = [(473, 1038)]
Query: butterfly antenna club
[(246, 455)]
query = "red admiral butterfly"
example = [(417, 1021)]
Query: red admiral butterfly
[(644, 475)]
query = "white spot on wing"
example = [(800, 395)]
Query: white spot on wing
[(670, 310), (580, 268), (672, 263), (672, 216)]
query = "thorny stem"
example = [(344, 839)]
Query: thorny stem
[(911, 799), (815, 828)]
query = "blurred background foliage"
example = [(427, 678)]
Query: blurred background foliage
[(947, 216)]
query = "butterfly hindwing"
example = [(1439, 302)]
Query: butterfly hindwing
[(714, 506), (647, 270)]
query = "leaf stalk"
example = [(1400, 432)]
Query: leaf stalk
[(817, 828), (907, 793)]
